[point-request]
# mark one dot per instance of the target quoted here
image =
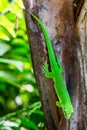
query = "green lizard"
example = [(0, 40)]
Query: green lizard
[(56, 74)]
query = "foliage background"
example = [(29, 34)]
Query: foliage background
[(20, 106)]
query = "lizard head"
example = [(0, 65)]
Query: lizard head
[(67, 110)]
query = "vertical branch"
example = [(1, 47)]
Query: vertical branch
[(39, 56), (58, 17), (81, 27)]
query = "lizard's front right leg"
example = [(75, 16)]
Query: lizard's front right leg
[(58, 103), (48, 74)]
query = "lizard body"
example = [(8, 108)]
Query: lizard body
[(56, 74)]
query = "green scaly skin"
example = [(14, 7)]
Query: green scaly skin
[(56, 74)]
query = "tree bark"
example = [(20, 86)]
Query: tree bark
[(65, 33)]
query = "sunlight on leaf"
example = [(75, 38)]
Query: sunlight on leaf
[(4, 48), (8, 25), (16, 10), (18, 100), (20, 3), (9, 124), (28, 87), (4, 36), (17, 64), (3, 4)]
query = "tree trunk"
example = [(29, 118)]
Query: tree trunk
[(67, 30)]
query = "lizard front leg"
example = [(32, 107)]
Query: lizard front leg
[(58, 103), (48, 74)]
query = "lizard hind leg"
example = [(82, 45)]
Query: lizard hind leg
[(48, 74)]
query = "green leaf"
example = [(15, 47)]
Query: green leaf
[(17, 64), (16, 10), (22, 51), (28, 123), (4, 48), (3, 4), (3, 36), (8, 78), (8, 25), (2, 101), (39, 112), (34, 107), (19, 42), (20, 4)]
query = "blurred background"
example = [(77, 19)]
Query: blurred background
[(20, 106)]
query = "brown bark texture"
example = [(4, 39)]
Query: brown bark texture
[(66, 23)]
